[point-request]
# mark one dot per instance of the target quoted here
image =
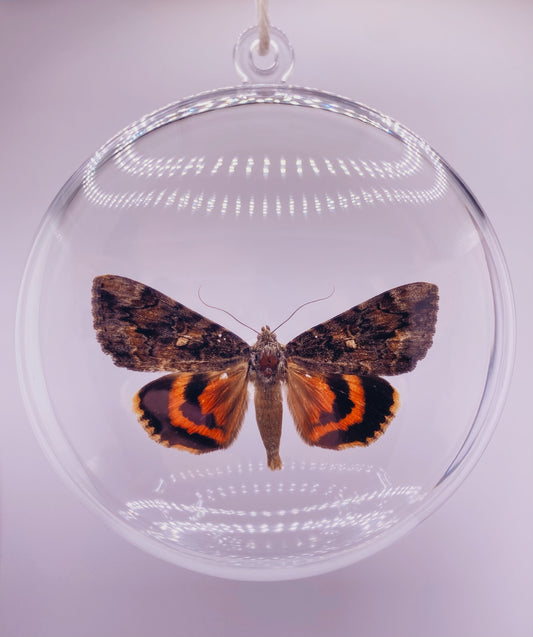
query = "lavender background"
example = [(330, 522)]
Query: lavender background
[(459, 74)]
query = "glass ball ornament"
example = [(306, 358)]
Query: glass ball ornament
[(265, 196)]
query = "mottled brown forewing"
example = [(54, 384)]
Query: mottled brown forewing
[(144, 330), (387, 334)]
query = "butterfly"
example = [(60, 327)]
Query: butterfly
[(332, 372)]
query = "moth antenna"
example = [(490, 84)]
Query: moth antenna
[(214, 307), (324, 298)]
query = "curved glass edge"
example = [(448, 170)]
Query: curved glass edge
[(503, 353), (498, 376), (282, 94), (31, 377)]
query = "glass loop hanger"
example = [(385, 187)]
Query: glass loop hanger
[(263, 53)]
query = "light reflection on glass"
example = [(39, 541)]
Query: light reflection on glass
[(314, 166), (323, 197), (224, 206), (183, 201), (305, 206), (332, 183), (343, 202), (210, 206), (217, 165), (343, 167), (131, 163), (287, 518), (266, 167), (329, 166), (200, 164), (233, 165), (197, 202), (249, 166)]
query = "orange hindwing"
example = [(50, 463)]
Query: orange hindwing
[(199, 412), (335, 411)]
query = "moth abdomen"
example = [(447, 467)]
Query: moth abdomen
[(269, 414)]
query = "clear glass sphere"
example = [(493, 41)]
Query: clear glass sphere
[(265, 196)]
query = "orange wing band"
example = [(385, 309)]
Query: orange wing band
[(198, 412), (335, 411)]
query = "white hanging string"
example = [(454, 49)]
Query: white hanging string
[(263, 25)]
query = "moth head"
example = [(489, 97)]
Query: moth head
[(266, 337)]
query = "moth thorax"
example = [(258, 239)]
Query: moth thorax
[(268, 362)]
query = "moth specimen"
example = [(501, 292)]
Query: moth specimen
[(332, 371)]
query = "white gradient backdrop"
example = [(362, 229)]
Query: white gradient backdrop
[(459, 73)]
